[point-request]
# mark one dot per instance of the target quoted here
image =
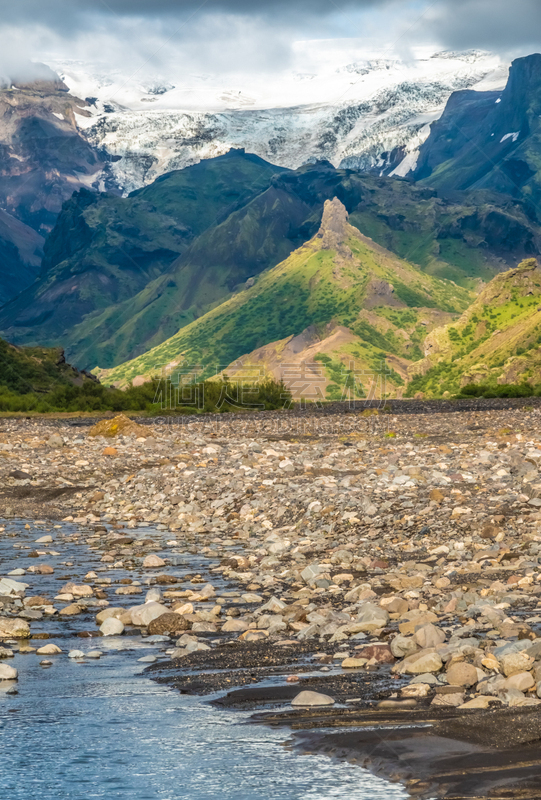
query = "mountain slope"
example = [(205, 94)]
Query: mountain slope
[(43, 155), (36, 369), (496, 341), (121, 275), (105, 249), (220, 261), (335, 276), (21, 250), (489, 141), (331, 362)]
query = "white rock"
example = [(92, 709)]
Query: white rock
[(111, 627), (308, 698), (153, 561), (143, 615), (10, 587), (48, 650), (371, 617), (153, 595), (274, 604), (7, 673), (14, 628)]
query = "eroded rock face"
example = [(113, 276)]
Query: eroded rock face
[(44, 156), (335, 228)]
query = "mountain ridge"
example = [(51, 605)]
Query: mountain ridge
[(489, 142), (332, 277), (123, 274)]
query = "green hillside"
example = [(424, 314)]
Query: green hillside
[(122, 275), (338, 275), (220, 261), (36, 369), (496, 341), (105, 249)]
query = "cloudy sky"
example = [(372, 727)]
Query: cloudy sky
[(248, 35)]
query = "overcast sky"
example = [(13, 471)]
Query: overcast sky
[(237, 35)]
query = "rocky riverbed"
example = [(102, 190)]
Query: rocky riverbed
[(386, 564)]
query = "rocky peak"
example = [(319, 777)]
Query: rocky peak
[(524, 76), (334, 225)]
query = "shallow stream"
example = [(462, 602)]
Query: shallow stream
[(84, 729)]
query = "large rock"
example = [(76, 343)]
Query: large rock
[(274, 605), (402, 646), (153, 561), (9, 587), (121, 425), (48, 650), (462, 674), (77, 589), (521, 681), (429, 636), (371, 617), (70, 611), (453, 699), (381, 653), (310, 573), (14, 628), (170, 622), (308, 698), (143, 615), (7, 673), (411, 620), (235, 626), (101, 616), (478, 702), (111, 627), (354, 663), (418, 663), (394, 605), (516, 662)]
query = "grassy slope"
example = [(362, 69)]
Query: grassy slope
[(105, 249), (448, 240), (495, 341), (312, 286), (35, 369), (122, 275), (251, 239)]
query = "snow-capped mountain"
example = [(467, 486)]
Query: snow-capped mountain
[(336, 102)]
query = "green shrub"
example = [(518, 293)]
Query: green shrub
[(153, 397), (504, 390)]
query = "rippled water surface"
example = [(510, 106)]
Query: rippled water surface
[(101, 729)]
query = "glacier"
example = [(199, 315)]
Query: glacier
[(338, 101)]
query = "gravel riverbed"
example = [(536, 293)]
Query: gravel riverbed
[(387, 564)]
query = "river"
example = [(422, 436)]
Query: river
[(84, 729)]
